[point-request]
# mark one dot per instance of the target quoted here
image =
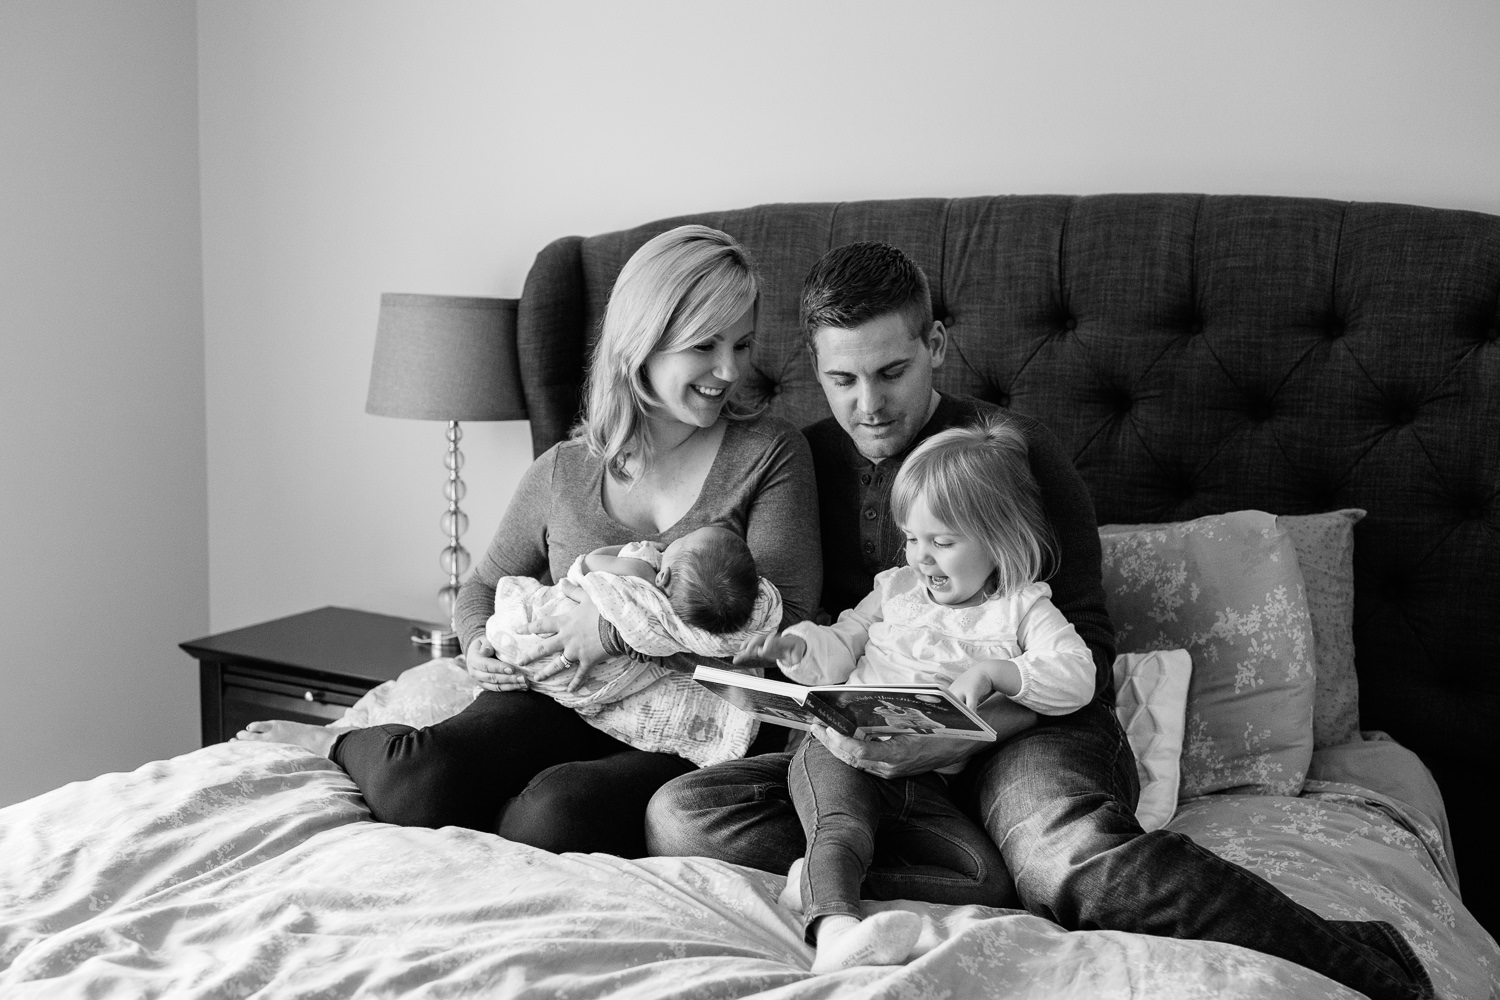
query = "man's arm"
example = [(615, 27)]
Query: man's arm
[(1078, 583)]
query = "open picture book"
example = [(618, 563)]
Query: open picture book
[(857, 710)]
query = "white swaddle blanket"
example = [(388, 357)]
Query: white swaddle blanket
[(651, 707)]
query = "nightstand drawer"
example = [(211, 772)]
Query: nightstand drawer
[(319, 699), (248, 698)]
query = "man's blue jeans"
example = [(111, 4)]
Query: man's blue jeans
[(944, 856), (1058, 800)]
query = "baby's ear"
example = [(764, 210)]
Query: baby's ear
[(664, 577)]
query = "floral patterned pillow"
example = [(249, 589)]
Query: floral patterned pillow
[(1227, 588), (1325, 554)]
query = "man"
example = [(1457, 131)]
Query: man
[(1058, 798)]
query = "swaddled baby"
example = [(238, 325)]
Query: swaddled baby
[(700, 594)]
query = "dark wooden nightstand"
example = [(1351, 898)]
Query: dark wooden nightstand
[(307, 667)]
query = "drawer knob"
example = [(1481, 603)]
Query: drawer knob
[(309, 696)]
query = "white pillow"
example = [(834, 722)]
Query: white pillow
[(1151, 702)]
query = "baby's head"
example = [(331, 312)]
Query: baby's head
[(710, 578)]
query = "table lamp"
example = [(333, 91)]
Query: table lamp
[(440, 357)]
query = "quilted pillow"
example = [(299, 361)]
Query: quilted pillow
[(1325, 554), (1151, 699), (1227, 589)]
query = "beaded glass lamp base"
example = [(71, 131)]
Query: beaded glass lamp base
[(454, 558)]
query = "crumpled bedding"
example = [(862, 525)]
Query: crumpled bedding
[(249, 869)]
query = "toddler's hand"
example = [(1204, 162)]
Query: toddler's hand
[(972, 687), (787, 650)]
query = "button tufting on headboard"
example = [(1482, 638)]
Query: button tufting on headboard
[(1403, 414)]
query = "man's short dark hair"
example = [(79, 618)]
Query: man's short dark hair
[(856, 283), (715, 584)]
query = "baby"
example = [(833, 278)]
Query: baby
[(699, 594), (708, 575)]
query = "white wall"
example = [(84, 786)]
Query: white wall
[(352, 147), (103, 483)]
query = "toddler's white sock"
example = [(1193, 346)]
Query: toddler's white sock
[(886, 938), (791, 896)]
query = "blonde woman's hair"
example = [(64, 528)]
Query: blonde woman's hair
[(977, 480), (677, 290)]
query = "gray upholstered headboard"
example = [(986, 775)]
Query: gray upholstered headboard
[(1197, 354)]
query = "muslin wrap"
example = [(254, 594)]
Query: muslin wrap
[(646, 705)]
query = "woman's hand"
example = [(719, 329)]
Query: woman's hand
[(898, 756), (490, 673), (573, 634)]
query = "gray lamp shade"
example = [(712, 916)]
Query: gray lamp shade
[(441, 357)]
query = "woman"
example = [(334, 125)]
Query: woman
[(662, 449)]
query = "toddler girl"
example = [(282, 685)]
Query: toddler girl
[(966, 611)]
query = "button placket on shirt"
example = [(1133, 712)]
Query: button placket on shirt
[(869, 526), (873, 514)]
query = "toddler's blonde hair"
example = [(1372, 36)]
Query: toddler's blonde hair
[(977, 480)]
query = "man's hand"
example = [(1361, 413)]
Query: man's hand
[(573, 634), (898, 756)]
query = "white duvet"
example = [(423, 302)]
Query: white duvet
[(246, 870)]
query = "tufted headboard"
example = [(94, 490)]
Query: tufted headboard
[(1197, 354)]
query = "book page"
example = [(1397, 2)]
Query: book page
[(916, 711), (769, 706)]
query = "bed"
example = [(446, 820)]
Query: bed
[(1288, 413)]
